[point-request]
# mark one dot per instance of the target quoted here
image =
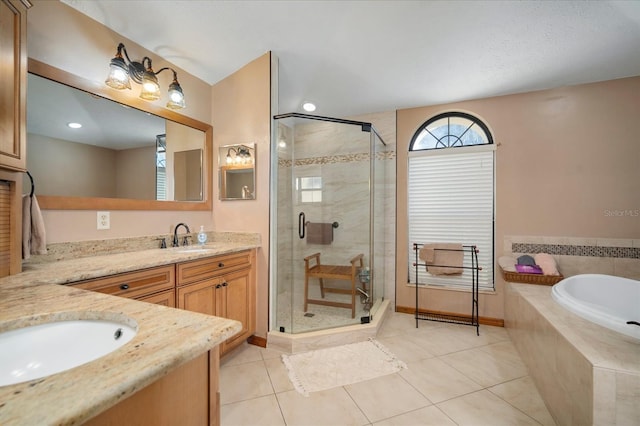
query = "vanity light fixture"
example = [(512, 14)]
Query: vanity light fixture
[(122, 70), (241, 155)]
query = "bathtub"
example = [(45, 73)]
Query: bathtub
[(602, 299)]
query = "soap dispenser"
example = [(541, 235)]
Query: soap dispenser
[(202, 236)]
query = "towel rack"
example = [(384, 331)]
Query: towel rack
[(33, 186), (334, 225), (472, 320)]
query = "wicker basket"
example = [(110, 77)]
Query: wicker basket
[(517, 277)]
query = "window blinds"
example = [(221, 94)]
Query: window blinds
[(451, 201)]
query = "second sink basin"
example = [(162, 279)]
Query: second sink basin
[(38, 351), (195, 249)]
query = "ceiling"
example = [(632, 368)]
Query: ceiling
[(355, 57), (52, 105)]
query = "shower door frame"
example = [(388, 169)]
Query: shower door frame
[(273, 243)]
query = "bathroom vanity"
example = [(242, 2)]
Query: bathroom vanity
[(222, 285), (168, 373)]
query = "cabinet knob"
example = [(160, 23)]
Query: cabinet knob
[(124, 286), (224, 284), (218, 285), (220, 265)]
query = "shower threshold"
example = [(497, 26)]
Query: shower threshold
[(302, 342)]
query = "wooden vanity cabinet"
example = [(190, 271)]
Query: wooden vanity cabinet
[(188, 395), (223, 286), (13, 83), (154, 285)]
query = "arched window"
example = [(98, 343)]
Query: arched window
[(451, 192), (450, 130)]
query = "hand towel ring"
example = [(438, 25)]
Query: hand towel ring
[(33, 186)]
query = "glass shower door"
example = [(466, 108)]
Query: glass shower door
[(323, 207)]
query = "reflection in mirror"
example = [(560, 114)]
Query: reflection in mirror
[(187, 168), (121, 157), (237, 172)]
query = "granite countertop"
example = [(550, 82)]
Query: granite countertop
[(166, 337)]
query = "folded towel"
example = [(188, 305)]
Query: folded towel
[(547, 263), (34, 240), (447, 259), (529, 269)]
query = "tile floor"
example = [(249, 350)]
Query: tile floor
[(453, 378)]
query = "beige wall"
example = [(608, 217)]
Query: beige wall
[(565, 158), (242, 114), (60, 36), (55, 165), (136, 173)]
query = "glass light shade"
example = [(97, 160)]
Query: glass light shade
[(118, 74), (176, 97), (150, 87)]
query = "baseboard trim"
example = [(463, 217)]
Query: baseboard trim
[(496, 322), (257, 341)]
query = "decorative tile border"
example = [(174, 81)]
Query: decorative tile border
[(335, 159), (577, 250)]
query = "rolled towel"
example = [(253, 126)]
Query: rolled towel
[(507, 263), (547, 263), (525, 259)]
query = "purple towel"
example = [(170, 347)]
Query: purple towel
[(529, 269)]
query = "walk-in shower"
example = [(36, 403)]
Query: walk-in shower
[(327, 192)]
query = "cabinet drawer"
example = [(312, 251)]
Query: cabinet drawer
[(189, 272), (133, 284), (166, 298)]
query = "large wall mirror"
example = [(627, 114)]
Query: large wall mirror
[(128, 155)]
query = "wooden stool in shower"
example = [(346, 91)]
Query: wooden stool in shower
[(334, 272)]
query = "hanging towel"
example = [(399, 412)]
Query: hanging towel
[(319, 233), (447, 259), (427, 253), (34, 240)]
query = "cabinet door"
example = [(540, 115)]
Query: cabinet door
[(200, 297), (13, 77), (238, 303)]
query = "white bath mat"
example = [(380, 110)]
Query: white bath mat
[(341, 365)]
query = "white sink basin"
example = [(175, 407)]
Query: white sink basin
[(38, 351)]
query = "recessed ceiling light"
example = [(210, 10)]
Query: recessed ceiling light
[(74, 125), (309, 107)]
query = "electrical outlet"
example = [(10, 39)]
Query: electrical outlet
[(104, 221)]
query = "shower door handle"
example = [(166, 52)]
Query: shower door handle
[(301, 225)]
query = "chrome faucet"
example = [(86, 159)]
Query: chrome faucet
[(185, 240)]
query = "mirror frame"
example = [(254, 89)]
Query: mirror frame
[(223, 169), (50, 202)]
